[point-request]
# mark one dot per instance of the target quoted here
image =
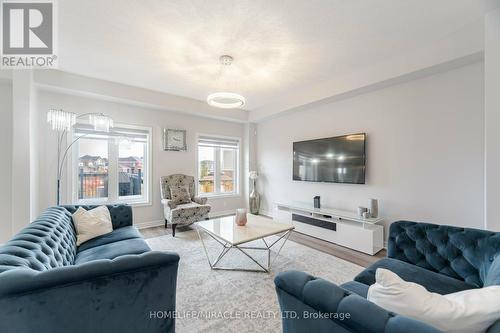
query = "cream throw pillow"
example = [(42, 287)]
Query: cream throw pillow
[(91, 223), (467, 311)]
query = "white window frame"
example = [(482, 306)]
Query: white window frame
[(113, 190), (218, 194)]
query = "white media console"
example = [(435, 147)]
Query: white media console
[(337, 226)]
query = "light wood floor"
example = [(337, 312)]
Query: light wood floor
[(338, 251)]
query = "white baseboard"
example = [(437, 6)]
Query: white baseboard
[(157, 223), (222, 213), (149, 224), (266, 213)]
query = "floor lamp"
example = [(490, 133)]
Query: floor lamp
[(62, 122)]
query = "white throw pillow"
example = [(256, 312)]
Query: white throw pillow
[(467, 311), (91, 223)]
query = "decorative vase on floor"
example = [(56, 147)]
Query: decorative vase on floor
[(254, 195)]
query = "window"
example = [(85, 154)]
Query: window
[(218, 165), (114, 166), (93, 168)]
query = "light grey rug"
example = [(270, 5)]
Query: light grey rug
[(232, 301)]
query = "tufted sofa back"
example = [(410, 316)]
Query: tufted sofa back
[(121, 215), (48, 242), (462, 253)]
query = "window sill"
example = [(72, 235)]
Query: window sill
[(118, 202), (137, 204), (219, 195)]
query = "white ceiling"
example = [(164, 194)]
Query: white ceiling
[(278, 46)]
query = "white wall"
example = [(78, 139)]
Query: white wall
[(492, 118), (164, 163), (424, 150), (23, 150), (6, 165)]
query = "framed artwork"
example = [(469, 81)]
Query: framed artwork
[(174, 140)]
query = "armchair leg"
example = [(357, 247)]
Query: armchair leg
[(174, 225)]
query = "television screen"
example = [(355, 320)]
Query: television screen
[(339, 159)]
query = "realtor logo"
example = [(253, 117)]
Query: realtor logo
[(28, 34)]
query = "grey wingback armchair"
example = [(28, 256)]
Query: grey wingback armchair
[(186, 213)]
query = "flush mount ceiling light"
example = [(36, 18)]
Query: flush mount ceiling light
[(226, 100)]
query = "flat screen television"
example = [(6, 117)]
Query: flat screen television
[(340, 159)]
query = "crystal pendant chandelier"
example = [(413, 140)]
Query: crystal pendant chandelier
[(61, 120), (226, 100), (101, 122)]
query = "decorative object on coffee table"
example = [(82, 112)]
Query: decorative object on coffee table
[(254, 195), (174, 140), (241, 217), (374, 207)]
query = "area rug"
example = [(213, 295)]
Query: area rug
[(233, 301)]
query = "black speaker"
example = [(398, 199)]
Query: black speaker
[(317, 203)]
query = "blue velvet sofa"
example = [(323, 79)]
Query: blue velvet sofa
[(444, 259), (113, 283)]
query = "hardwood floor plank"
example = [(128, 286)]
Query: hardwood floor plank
[(338, 251)]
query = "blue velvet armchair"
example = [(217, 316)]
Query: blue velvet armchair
[(113, 283), (444, 259)]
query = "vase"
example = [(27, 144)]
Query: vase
[(254, 200), (374, 207), (362, 210), (241, 217)]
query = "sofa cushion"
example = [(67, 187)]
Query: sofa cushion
[(115, 236), (432, 281), (180, 194), (472, 310), (356, 287), (113, 250), (90, 224)]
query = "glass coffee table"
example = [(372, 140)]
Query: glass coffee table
[(231, 236)]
